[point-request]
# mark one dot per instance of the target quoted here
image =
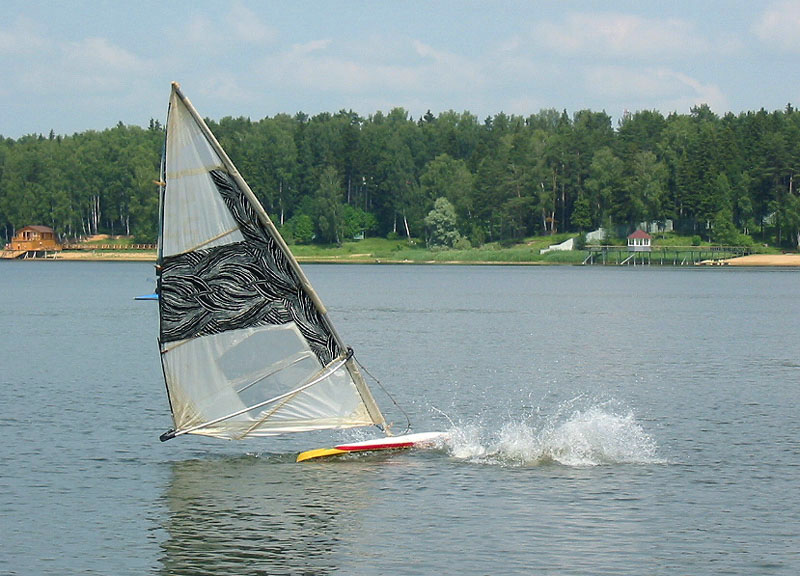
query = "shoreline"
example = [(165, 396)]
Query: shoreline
[(753, 260)]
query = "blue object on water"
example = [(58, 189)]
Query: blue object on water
[(147, 297)]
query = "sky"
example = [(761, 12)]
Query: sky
[(87, 65)]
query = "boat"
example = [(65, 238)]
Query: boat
[(247, 346)]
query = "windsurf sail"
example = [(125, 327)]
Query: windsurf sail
[(247, 348)]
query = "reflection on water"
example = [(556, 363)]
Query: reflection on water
[(265, 515)]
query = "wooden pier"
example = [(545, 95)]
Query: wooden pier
[(109, 246), (663, 255), (29, 254)]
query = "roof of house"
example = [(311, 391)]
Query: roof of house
[(640, 234), (37, 228)]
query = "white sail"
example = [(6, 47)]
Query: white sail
[(246, 345)]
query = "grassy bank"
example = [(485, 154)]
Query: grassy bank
[(374, 250)]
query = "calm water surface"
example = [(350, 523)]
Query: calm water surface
[(604, 421)]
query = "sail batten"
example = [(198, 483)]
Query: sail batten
[(214, 239), (247, 346)]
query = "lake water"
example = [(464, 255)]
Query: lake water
[(604, 421)]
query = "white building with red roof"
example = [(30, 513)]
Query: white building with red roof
[(639, 241)]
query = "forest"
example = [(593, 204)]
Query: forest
[(450, 179)]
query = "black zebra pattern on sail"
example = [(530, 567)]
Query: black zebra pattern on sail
[(237, 285)]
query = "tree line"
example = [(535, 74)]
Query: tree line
[(450, 179)]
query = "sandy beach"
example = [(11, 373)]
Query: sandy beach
[(116, 255), (765, 260)]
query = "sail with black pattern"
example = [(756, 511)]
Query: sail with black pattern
[(246, 345)]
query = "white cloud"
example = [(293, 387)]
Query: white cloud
[(99, 54), (225, 87), (91, 65), (779, 26), (447, 70), (198, 31), (240, 28), (22, 37), (614, 35), (370, 66), (621, 82), (88, 66), (665, 89), (315, 46), (325, 72), (428, 52), (247, 26)]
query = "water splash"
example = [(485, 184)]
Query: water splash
[(595, 436)]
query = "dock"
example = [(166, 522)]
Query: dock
[(663, 255), (28, 254)]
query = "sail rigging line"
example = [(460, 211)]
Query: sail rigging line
[(385, 391), (329, 371), (363, 390), (166, 386)]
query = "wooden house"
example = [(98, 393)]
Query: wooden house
[(639, 241), (34, 239)]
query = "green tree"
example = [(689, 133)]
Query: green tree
[(647, 188), (397, 186), (581, 214), (518, 216), (328, 207), (441, 223), (447, 177), (356, 222), (300, 228), (791, 219), (605, 186), (723, 230)]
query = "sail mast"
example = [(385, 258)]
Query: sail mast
[(358, 379)]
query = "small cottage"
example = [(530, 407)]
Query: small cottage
[(639, 241), (34, 239)]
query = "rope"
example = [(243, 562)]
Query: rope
[(385, 391)]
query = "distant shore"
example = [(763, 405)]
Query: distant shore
[(753, 260)]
